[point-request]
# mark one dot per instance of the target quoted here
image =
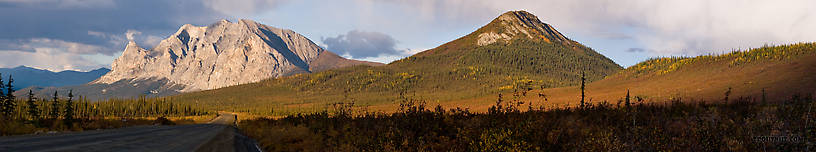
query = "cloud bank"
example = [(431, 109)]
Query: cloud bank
[(665, 27), (242, 7)]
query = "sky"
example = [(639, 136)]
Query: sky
[(88, 34)]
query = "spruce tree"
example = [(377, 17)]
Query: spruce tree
[(33, 110), (628, 103), (2, 96), (54, 113), (583, 88), (8, 103), (69, 107)]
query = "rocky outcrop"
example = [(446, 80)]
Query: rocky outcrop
[(520, 24), (223, 54)]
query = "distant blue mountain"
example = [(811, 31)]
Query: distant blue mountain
[(26, 77)]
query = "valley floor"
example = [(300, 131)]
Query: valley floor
[(736, 125)]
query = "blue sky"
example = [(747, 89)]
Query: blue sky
[(87, 34)]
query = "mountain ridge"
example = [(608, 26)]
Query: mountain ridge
[(28, 76)]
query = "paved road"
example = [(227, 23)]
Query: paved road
[(217, 135)]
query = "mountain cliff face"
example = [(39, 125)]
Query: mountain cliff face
[(223, 54), (209, 57)]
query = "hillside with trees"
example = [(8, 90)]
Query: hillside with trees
[(532, 55)]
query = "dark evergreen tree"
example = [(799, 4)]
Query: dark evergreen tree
[(583, 88), (69, 108), (8, 103), (33, 110), (628, 103), (2, 96), (54, 113)]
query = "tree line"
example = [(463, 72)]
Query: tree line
[(68, 107)]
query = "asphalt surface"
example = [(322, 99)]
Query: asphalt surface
[(218, 135)]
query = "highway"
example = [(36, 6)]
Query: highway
[(217, 135)]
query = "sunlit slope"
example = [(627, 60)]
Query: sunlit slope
[(458, 70), (782, 71)]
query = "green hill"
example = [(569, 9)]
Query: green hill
[(515, 50)]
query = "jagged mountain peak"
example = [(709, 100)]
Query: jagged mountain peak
[(222, 54), (132, 46), (507, 28), (519, 24)]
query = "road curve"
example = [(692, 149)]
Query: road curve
[(218, 135)]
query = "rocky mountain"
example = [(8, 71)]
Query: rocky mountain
[(520, 24), (27, 76), (208, 57), (223, 54), (504, 30)]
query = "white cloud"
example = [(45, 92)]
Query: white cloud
[(367, 46), (382, 58), (48, 59), (115, 40), (362, 44), (130, 33), (242, 7), (388, 58), (97, 34), (34, 44), (144, 41), (53, 54)]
